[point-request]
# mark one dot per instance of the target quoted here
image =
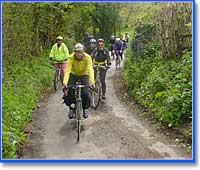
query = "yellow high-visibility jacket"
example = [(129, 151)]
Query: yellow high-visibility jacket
[(79, 67), (59, 54)]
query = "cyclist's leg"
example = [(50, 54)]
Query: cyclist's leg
[(63, 67), (103, 81), (56, 66), (86, 97), (70, 98), (95, 73)]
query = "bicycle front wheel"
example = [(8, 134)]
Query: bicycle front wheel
[(96, 95), (79, 112), (78, 129), (56, 79)]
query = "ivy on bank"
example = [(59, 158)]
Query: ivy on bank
[(23, 84)]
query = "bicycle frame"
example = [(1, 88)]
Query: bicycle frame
[(58, 74), (58, 77), (79, 110), (96, 96)]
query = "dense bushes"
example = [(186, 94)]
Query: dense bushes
[(22, 86), (164, 86), (158, 70)]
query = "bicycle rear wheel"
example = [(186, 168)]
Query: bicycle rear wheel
[(56, 79), (96, 95)]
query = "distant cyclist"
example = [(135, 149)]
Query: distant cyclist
[(86, 41), (59, 54), (126, 36), (92, 45), (112, 43), (118, 46), (123, 47), (101, 56)]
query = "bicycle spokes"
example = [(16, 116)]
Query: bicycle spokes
[(96, 95)]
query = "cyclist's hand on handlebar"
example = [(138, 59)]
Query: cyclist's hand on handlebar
[(51, 59), (92, 87), (108, 67), (65, 90)]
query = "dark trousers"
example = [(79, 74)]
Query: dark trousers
[(85, 95), (102, 79)]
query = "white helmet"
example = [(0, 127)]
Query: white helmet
[(93, 40), (59, 38), (78, 47), (117, 39)]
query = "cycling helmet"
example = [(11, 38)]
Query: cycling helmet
[(117, 39), (112, 37), (93, 40), (100, 40), (59, 38), (87, 34), (79, 47)]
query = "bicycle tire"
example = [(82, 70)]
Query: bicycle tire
[(97, 95), (78, 130), (56, 80), (61, 78), (78, 116)]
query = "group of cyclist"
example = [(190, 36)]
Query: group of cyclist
[(118, 45), (78, 66)]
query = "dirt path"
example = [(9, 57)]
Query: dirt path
[(113, 131)]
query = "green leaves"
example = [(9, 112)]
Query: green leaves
[(22, 84), (164, 86)]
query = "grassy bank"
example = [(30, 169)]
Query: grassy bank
[(22, 87)]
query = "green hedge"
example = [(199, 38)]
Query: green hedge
[(163, 86), (22, 87)]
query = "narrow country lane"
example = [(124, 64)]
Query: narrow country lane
[(111, 132)]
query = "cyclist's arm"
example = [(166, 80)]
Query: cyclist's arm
[(51, 55), (108, 58), (67, 71), (90, 71), (66, 51)]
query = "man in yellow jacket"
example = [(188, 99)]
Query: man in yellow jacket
[(59, 54), (79, 68)]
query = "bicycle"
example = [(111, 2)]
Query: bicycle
[(97, 93), (112, 52), (117, 59), (58, 77), (78, 105)]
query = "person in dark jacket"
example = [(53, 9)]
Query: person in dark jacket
[(100, 56)]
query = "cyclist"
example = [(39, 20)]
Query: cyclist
[(86, 41), (126, 36), (123, 44), (92, 45), (112, 43), (79, 68), (59, 54), (100, 56), (118, 47)]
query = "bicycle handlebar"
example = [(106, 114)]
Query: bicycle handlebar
[(76, 87), (60, 61), (104, 67)]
